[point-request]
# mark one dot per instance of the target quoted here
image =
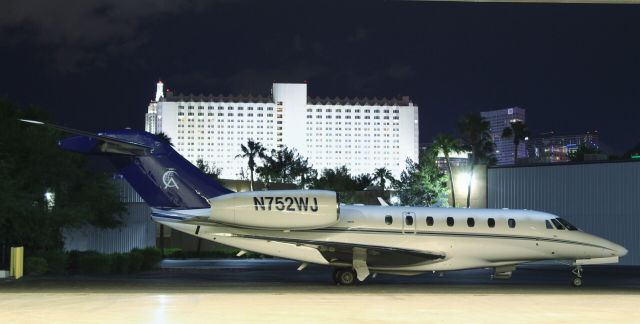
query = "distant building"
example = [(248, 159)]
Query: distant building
[(361, 133), (456, 159), (499, 120), (550, 147)]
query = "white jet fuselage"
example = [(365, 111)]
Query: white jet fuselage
[(457, 238)]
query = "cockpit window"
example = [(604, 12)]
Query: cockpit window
[(567, 224), (548, 224), (557, 224)]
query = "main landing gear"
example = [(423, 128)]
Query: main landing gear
[(344, 276), (577, 276)]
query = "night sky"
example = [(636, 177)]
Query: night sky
[(94, 64)]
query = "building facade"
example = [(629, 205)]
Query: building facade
[(499, 120), (361, 134), (137, 229), (550, 148)]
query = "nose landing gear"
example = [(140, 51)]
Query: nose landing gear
[(577, 276)]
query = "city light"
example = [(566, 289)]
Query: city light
[(463, 179)]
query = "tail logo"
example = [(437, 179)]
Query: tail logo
[(168, 180)]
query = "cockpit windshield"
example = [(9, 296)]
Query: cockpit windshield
[(566, 224), (557, 224)]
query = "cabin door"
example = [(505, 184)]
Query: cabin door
[(409, 223)]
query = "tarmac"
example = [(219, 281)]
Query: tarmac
[(272, 290)]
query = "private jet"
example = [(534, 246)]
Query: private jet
[(313, 227)]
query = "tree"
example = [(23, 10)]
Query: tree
[(209, 169), (476, 137), (340, 180), (39, 199), (286, 166), (422, 183), (250, 152), (447, 145), (578, 155), (165, 138), (519, 132), (382, 174)]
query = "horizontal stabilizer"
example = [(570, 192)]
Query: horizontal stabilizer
[(93, 142)]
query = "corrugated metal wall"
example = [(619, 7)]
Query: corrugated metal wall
[(137, 230), (600, 198)]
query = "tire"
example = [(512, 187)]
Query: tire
[(576, 282), (346, 277), (336, 271)]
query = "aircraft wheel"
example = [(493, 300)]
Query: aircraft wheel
[(336, 271), (346, 277), (576, 282)]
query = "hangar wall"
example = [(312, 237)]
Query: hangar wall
[(137, 230), (601, 198)]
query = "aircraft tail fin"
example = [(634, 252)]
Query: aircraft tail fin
[(161, 176)]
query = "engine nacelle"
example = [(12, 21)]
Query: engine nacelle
[(277, 209)]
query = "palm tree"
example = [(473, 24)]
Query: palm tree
[(476, 137), (251, 151), (519, 132), (165, 138), (382, 174), (447, 144)]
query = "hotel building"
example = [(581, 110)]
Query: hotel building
[(361, 133)]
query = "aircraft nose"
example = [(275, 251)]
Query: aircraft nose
[(620, 250)]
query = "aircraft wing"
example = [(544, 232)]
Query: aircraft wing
[(342, 252), (377, 256)]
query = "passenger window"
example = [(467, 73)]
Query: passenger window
[(511, 222), (388, 220), (491, 222), (557, 224), (408, 220), (548, 224), (471, 222), (429, 221), (449, 221)]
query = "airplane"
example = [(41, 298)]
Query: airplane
[(313, 227)]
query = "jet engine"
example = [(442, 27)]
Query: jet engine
[(277, 209)]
